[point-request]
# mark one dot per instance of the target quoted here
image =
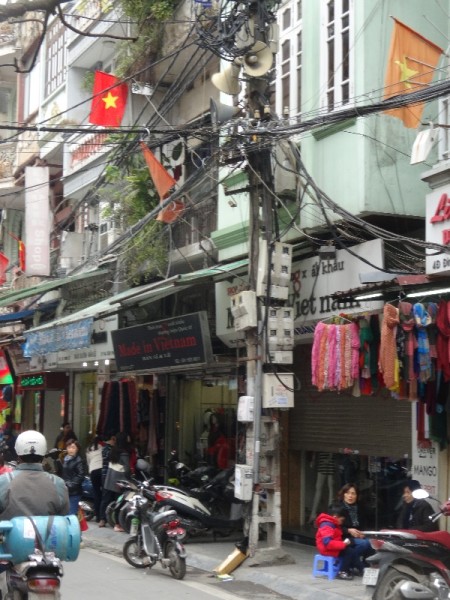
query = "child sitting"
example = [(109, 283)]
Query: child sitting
[(329, 541)]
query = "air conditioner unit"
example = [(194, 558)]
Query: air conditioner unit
[(107, 234)]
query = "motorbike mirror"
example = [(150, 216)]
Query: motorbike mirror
[(420, 494), (143, 465)]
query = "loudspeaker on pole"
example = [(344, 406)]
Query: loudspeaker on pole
[(227, 81)]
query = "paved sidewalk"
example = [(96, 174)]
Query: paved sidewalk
[(294, 580)]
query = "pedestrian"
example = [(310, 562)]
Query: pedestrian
[(330, 542), (118, 468), (415, 513), (106, 452), (63, 437), (72, 471), (353, 523), (95, 464)]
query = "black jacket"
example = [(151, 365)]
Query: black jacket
[(73, 471), (348, 524), (415, 516)]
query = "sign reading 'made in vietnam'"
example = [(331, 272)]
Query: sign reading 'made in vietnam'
[(179, 342)]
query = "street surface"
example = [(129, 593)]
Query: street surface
[(97, 575)]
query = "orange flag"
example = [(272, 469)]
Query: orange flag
[(411, 63), (163, 181), (22, 255)]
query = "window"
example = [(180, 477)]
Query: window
[(289, 60), (56, 59), (338, 56)]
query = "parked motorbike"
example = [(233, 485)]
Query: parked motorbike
[(180, 475), (195, 517), (155, 537), (409, 564)]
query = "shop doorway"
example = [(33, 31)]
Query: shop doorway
[(53, 411), (380, 481)]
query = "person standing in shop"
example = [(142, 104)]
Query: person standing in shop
[(94, 462), (118, 468), (72, 471)]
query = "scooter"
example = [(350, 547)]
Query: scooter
[(180, 475), (33, 567), (155, 537), (195, 517), (409, 564)]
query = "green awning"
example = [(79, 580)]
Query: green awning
[(212, 272), (42, 288), (151, 292)]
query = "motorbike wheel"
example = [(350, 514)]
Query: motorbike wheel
[(387, 589), (134, 553), (177, 565)]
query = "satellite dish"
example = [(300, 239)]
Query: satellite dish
[(258, 60), (422, 146)]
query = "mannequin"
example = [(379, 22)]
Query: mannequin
[(325, 473)]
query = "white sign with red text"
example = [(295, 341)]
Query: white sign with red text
[(437, 229)]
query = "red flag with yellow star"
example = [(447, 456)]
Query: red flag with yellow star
[(411, 63), (109, 100)]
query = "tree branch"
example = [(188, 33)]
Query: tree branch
[(86, 34), (19, 9)]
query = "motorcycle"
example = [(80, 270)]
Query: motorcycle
[(195, 517), (155, 537), (179, 474), (33, 568), (409, 564)]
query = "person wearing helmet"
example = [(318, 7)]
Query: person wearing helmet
[(29, 490)]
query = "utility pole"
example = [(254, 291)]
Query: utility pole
[(267, 282)]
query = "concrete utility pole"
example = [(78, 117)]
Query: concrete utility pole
[(263, 457)]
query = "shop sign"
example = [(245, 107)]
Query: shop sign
[(179, 342), (315, 280), (59, 337), (37, 222), (224, 319), (100, 347), (437, 230), (425, 457), (32, 381)]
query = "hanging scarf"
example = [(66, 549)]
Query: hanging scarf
[(422, 320), (443, 339), (388, 362), (353, 513)]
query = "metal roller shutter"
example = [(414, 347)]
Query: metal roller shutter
[(332, 421)]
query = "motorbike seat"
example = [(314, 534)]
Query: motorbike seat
[(156, 518), (441, 537)]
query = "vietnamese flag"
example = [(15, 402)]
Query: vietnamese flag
[(109, 100), (411, 64), (4, 262)]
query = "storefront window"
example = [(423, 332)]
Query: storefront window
[(379, 480)]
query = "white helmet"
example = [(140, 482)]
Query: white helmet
[(31, 442)]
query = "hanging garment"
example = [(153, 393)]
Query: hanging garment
[(443, 339), (422, 320), (388, 361), (335, 356)]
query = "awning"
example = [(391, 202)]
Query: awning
[(42, 288), (151, 292)]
